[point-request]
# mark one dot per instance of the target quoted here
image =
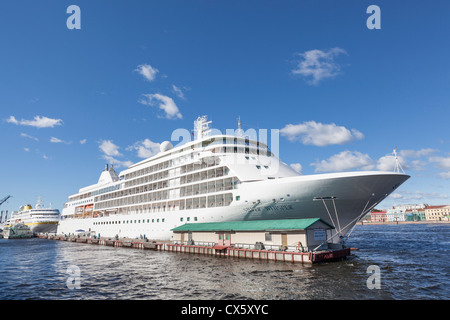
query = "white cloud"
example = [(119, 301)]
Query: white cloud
[(388, 163), (318, 65), (396, 195), (297, 167), (346, 160), (164, 103), (28, 136), (319, 134), (83, 141), (12, 119), (42, 122), (417, 195), (179, 91), (38, 122), (442, 163), (146, 148), (417, 153), (418, 165), (405, 158), (111, 151), (26, 149), (117, 163), (109, 148), (445, 175), (147, 71), (56, 140)]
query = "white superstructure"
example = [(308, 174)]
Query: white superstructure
[(219, 178), (38, 219)]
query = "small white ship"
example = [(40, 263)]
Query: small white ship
[(17, 231), (38, 219), (219, 178)]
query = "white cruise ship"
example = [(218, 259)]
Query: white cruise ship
[(38, 219), (219, 178)]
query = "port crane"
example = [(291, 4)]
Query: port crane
[(1, 202), (4, 199)]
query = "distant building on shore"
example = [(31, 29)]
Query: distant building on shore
[(438, 213), (405, 207), (378, 216), (410, 212), (415, 215), (395, 214)]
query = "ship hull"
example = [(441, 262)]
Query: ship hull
[(340, 199), (43, 227)]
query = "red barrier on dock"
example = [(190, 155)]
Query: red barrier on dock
[(285, 256), (217, 250)]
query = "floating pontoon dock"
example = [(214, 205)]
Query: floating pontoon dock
[(296, 240)]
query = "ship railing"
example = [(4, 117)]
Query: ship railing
[(252, 246), (269, 247), (195, 243)]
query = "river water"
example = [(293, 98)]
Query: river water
[(412, 259)]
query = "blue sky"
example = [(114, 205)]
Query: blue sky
[(343, 96)]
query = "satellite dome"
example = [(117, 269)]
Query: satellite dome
[(165, 146)]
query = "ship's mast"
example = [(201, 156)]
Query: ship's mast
[(201, 126), (39, 203), (239, 132), (398, 167)]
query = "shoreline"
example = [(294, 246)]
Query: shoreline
[(366, 223)]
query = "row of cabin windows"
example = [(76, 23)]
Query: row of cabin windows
[(81, 196), (162, 165), (165, 164), (169, 173), (129, 221), (257, 147), (189, 190), (210, 201), (199, 176), (188, 219), (76, 203), (176, 177), (156, 167), (261, 148), (246, 150), (233, 141)]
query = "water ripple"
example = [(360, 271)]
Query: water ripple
[(412, 258)]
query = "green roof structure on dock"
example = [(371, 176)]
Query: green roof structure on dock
[(253, 225)]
